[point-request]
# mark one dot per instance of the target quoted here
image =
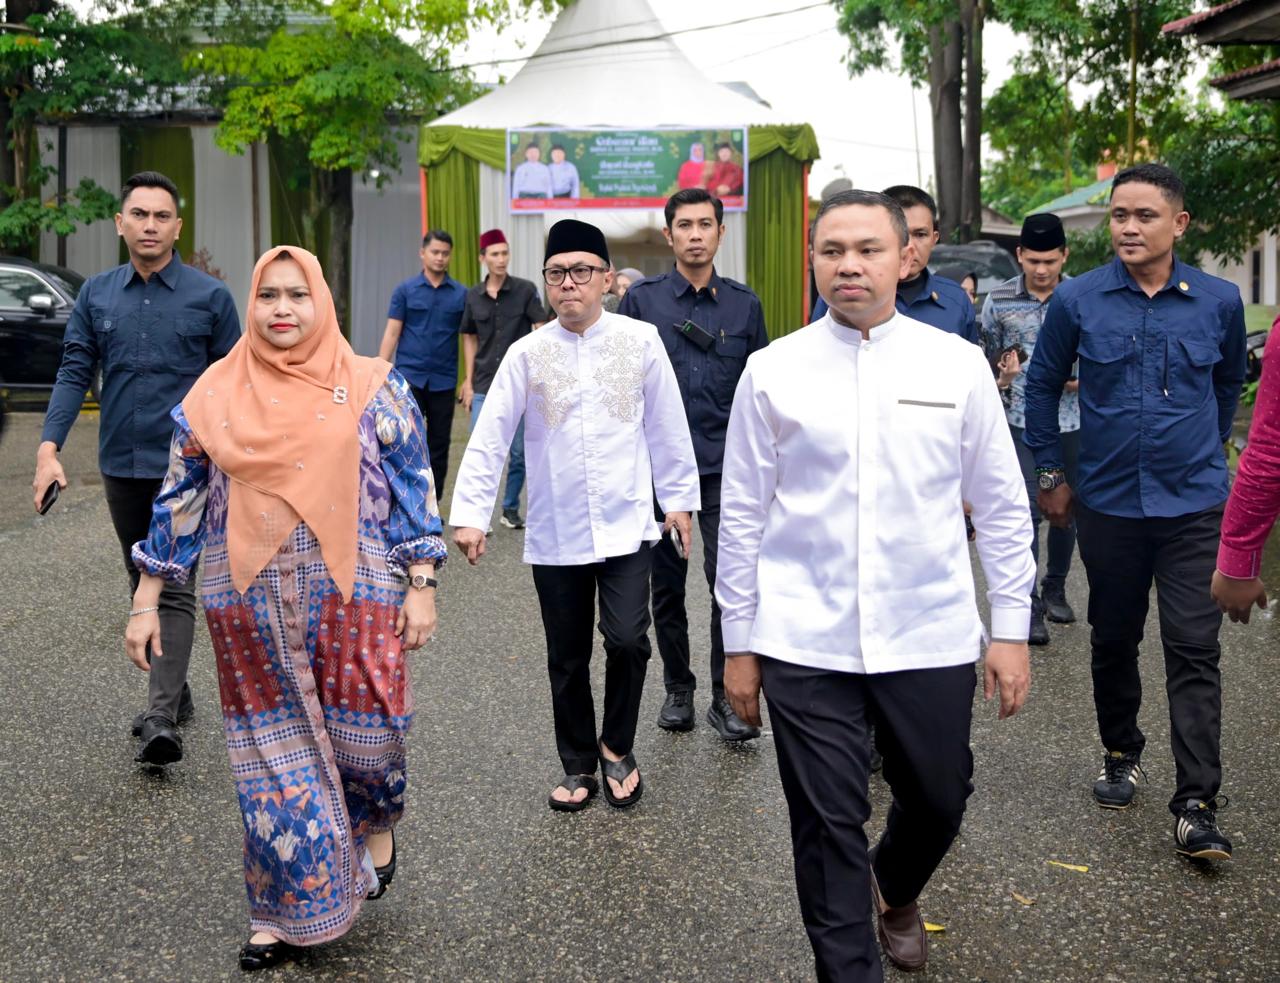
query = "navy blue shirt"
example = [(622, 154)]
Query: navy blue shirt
[(153, 338), (707, 379), (1159, 381), (941, 302), (427, 353)]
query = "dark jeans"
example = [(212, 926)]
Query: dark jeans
[(671, 621), (821, 724), (567, 596), (129, 502), (437, 414), (1122, 557), (1061, 541)]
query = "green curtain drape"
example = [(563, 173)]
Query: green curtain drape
[(453, 204), (435, 143), (798, 141), (776, 239), (169, 150)]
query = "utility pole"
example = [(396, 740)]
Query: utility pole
[(1133, 80)]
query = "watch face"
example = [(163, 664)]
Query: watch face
[(1048, 482)]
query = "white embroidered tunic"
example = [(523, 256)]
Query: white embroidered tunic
[(604, 430), (842, 537)]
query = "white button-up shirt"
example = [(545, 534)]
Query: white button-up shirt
[(604, 429), (842, 536)]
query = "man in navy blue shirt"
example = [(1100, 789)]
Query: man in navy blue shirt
[(154, 325), (1162, 356), (421, 338), (922, 295), (709, 325)]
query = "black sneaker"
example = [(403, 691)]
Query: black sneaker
[(186, 710), (677, 712), (1056, 608), (511, 519), (1196, 833), (730, 726), (1119, 779), (1037, 633), (161, 744)]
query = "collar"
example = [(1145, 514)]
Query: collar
[(1179, 282), (852, 336), (168, 275), (483, 285), (927, 290), (594, 331), (1024, 294), (680, 286), (448, 281)]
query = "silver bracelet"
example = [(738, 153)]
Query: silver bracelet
[(138, 611)]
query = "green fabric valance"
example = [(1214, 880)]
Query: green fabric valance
[(798, 141), (487, 146)]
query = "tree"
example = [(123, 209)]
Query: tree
[(938, 42), (55, 66), (343, 89)]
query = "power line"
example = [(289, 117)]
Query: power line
[(663, 35), (775, 47)]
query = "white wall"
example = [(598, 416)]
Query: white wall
[(92, 152), (224, 213)]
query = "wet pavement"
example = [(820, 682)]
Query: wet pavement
[(121, 873)]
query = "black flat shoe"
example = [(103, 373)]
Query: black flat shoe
[(571, 784), (263, 955), (386, 872)]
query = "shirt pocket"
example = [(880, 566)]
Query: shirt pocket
[(105, 325), (1104, 364), (727, 363), (1190, 364), (192, 333)]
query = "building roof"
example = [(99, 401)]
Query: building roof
[(1088, 196), (1235, 22), (610, 63), (1256, 82)]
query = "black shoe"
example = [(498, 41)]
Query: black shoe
[(877, 762), (386, 872), (186, 710), (263, 955), (1196, 833), (1037, 633), (1056, 608), (677, 711), (731, 727), (1119, 779), (161, 744), (511, 519)]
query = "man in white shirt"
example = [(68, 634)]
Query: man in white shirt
[(604, 428), (845, 585)]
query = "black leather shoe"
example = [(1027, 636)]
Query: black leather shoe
[(731, 727), (263, 955), (386, 872), (677, 712), (1056, 608), (161, 744), (1038, 632), (186, 710)]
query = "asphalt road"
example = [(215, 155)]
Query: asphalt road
[(120, 873)]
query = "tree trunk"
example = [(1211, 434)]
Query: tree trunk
[(336, 198), (1131, 143), (945, 51), (971, 173)]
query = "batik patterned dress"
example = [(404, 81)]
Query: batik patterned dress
[(315, 692)]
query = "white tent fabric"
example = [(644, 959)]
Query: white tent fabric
[(606, 63)]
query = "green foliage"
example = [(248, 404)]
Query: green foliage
[(884, 34), (22, 222)]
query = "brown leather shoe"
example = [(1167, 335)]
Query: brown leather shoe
[(901, 932)]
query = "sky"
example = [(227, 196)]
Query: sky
[(872, 129)]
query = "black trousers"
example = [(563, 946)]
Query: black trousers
[(437, 413), (1122, 557), (567, 596), (821, 725), (129, 502), (670, 620)]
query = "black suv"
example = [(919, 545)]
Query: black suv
[(35, 304)]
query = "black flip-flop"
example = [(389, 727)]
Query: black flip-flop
[(620, 771), (571, 784)]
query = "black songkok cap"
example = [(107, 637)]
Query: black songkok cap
[(1042, 232), (571, 236)]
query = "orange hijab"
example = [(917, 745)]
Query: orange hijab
[(283, 425)]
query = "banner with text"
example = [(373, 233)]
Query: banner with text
[(549, 169)]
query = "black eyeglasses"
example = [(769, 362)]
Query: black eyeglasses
[(554, 275)]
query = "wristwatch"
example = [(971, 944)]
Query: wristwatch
[(1049, 480), (420, 581)]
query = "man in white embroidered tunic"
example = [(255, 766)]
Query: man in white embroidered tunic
[(604, 428), (845, 583)]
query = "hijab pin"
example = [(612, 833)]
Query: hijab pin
[(339, 394)]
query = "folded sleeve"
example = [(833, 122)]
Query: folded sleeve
[(175, 537), (414, 532)]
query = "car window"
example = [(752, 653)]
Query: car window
[(66, 279), (18, 286)]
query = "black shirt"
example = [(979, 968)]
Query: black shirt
[(708, 379), (498, 323)]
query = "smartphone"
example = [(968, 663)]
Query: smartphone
[(674, 533), (50, 496)]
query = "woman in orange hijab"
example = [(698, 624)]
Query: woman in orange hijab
[(300, 471)]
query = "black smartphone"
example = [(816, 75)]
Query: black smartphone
[(50, 496)]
